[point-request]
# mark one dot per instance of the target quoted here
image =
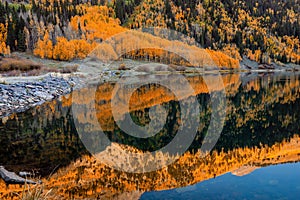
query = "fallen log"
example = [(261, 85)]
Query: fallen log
[(13, 178)]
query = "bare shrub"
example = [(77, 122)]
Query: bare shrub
[(123, 67), (11, 64), (177, 67), (69, 69)]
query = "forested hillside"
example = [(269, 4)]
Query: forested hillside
[(263, 31)]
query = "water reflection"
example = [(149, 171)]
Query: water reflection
[(261, 129), (274, 182)]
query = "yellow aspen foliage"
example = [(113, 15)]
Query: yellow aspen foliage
[(222, 60), (82, 48), (144, 15), (63, 50), (105, 52), (96, 23), (4, 49), (138, 45), (257, 55), (232, 51), (44, 48)]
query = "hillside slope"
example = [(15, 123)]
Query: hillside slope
[(261, 30)]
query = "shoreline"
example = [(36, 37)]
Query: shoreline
[(19, 96), (20, 93)]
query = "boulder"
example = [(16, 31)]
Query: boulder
[(13, 178)]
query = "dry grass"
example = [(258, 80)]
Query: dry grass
[(15, 64), (36, 192), (24, 67), (27, 192), (16, 67)]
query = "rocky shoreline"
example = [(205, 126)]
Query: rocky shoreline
[(20, 96)]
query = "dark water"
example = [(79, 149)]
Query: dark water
[(259, 142)]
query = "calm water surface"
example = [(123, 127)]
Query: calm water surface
[(256, 155)]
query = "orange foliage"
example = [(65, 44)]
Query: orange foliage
[(87, 177), (4, 49), (44, 48), (222, 60), (232, 51), (135, 44), (63, 49), (68, 50), (97, 23), (82, 48)]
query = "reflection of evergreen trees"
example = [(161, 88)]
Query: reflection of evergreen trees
[(40, 138), (265, 127), (273, 123), (141, 117)]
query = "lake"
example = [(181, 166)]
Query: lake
[(163, 137)]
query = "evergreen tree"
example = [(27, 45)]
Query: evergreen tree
[(2, 14), (238, 40), (11, 36), (21, 42), (120, 10)]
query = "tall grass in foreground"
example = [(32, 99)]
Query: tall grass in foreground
[(36, 192)]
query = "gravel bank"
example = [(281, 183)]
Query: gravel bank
[(20, 96)]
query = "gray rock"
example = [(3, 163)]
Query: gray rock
[(13, 178), (19, 97)]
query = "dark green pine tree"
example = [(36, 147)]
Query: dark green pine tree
[(21, 41), (33, 5), (21, 44), (215, 35), (171, 23), (202, 39), (284, 58), (3, 14), (11, 36), (238, 40), (120, 10), (226, 38)]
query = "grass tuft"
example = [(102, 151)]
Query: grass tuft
[(35, 192)]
